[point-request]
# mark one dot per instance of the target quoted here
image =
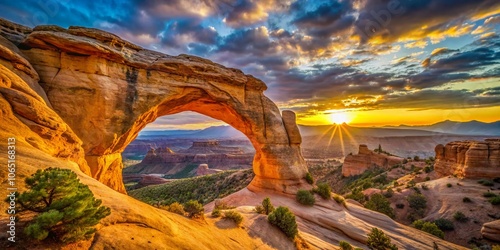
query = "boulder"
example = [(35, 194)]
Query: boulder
[(204, 170), (469, 159), (491, 230)]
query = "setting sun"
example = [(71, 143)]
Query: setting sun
[(339, 117)]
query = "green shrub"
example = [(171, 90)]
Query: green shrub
[(235, 216), (428, 227), (259, 209), (380, 204), (309, 178), (425, 187), (378, 240), (444, 224), (495, 200), (418, 204), (486, 182), (345, 245), (66, 209), (460, 217), (339, 199), (194, 209), (448, 185), (416, 158), (466, 200), (216, 213), (427, 178), (284, 219), (323, 190), (400, 205), (357, 196), (177, 208), (389, 193), (267, 206), (489, 194), (427, 169), (305, 197)]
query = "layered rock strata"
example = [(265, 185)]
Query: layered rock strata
[(366, 159)]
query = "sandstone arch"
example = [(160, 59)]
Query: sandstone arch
[(108, 89)]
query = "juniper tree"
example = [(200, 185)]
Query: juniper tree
[(67, 209)]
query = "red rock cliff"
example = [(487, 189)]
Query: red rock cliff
[(469, 159), (365, 159)]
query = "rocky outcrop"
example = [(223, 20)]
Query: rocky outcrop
[(469, 159), (107, 89), (365, 159), (204, 170), (491, 230)]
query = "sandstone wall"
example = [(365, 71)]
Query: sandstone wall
[(469, 159), (365, 159)]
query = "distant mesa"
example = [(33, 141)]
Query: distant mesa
[(469, 159), (204, 170), (165, 161), (366, 159)]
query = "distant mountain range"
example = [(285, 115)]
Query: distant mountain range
[(441, 128)]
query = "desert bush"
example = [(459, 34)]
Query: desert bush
[(425, 187), (389, 193), (486, 182), (495, 200), (448, 185), (466, 200), (378, 240), (428, 227), (416, 158), (357, 196), (216, 213), (444, 224), (267, 206), (405, 161), (400, 205), (235, 216), (323, 190), (489, 194), (380, 204), (284, 219), (427, 169), (309, 178), (339, 199), (460, 217), (345, 245), (418, 204), (177, 208), (194, 209), (305, 197), (66, 209)]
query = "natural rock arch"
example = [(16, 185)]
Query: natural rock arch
[(108, 89)]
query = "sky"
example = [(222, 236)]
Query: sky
[(365, 62)]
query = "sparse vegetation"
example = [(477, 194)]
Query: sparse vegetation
[(416, 158), (204, 189), (444, 224), (486, 182), (489, 194), (216, 213), (425, 187), (357, 195), (194, 209), (177, 208), (305, 197), (66, 209), (448, 185), (460, 217), (266, 207), (495, 200), (378, 240), (284, 219), (428, 227), (389, 193), (323, 190), (418, 204), (339, 199), (400, 206), (309, 178), (466, 200), (345, 245), (233, 215), (380, 204)]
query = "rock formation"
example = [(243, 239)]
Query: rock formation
[(491, 230), (365, 159), (107, 89), (469, 159), (204, 170), (166, 161)]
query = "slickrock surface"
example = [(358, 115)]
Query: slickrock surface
[(469, 159), (365, 159), (107, 89)]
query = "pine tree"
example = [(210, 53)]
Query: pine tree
[(378, 240), (268, 207), (67, 209)]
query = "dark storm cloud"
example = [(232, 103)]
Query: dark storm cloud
[(326, 20), (468, 60), (390, 20), (188, 27)]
